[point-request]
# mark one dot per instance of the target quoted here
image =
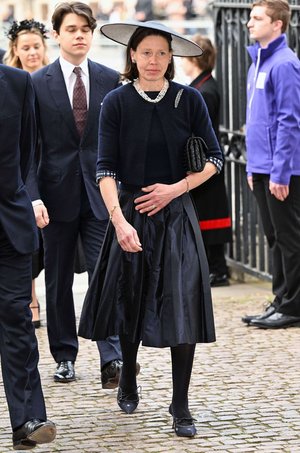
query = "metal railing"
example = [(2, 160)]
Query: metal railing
[(249, 252)]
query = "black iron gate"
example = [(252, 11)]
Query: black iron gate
[(249, 252)]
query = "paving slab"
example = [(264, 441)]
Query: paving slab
[(244, 390)]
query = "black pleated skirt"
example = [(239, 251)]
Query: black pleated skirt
[(161, 295)]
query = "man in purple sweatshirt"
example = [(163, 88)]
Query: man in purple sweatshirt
[(273, 154)]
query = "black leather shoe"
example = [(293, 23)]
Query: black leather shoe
[(276, 321), (127, 402), (270, 310), (32, 433), (218, 280), (110, 374), (183, 427), (65, 372)]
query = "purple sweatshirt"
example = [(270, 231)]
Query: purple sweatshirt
[(273, 112)]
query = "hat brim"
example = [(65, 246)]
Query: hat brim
[(121, 33)]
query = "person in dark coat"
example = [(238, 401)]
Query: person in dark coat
[(211, 198), (27, 50), (18, 240), (151, 283), (69, 93)]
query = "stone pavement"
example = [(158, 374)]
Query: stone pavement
[(244, 391)]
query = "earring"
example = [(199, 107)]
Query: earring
[(133, 61)]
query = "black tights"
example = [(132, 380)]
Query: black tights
[(182, 363), (128, 375)]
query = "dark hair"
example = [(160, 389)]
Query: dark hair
[(276, 10), (79, 8), (206, 62), (131, 72)]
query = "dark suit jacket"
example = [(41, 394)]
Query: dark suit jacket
[(17, 142), (66, 161)]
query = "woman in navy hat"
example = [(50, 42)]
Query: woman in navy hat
[(152, 283)]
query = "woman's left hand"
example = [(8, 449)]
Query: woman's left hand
[(156, 198)]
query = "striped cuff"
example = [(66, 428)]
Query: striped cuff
[(104, 173), (217, 162)]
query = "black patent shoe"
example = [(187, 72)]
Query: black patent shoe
[(128, 402), (276, 321), (32, 433), (65, 372), (36, 311), (269, 310), (110, 373), (218, 280), (183, 427)]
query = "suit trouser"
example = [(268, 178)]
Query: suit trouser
[(281, 223), (60, 239), (18, 344), (216, 259)]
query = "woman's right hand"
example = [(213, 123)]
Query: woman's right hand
[(250, 182), (127, 236)]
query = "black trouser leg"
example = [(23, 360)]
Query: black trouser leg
[(128, 375), (216, 259), (182, 364), (18, 343), (262, 194)]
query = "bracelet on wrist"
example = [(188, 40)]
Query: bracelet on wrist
[(111, 213), (187, 185)]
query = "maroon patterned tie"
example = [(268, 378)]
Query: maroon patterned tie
[(79, 102)]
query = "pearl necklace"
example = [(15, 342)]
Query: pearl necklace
[(142, 93)]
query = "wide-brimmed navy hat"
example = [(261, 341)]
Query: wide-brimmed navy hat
[(121, 33)]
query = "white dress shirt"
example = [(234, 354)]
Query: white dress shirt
[(70, 77)]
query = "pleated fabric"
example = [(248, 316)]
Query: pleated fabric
[(161, 295)]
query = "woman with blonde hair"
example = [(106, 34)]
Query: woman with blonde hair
[(27, 50), (27, 45)]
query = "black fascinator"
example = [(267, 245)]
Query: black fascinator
[(16, 27)]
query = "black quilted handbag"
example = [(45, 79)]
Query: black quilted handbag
[(195, 156)]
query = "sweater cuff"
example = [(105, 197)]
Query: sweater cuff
[(104, 173)]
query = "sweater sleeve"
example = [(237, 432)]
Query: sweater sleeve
[(108, 143), (287, 104)]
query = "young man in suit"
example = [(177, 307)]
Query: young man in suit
[(64, 186), (18, 239)]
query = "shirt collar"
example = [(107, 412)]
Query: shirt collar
[(67, 67), (273, 46)]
